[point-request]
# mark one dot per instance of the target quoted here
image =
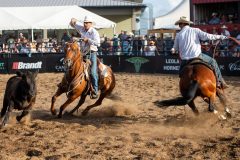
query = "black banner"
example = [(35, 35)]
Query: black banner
[(26, 63), (3, 65), (53, 62)]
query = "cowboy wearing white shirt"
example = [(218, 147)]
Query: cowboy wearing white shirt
[(187, 42), (91, 42)]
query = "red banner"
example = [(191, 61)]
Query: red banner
[(212, 1)]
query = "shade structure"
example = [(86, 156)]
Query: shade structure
[(52, 17), (9, 21), (61, 19), (168, 20)]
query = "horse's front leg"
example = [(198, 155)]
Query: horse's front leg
[(57, 94), (81, 101), (69, 100), (5, 113), (24, 113), (26, 110)]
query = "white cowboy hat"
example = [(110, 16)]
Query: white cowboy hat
[(224, 27), (183, 19), (88, 19), (214, 14)]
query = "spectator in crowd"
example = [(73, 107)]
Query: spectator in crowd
[(65, 37), (236, 18), (123, 37), (223, 19), (224, 32), (11, 43), (187, 42), (115, 44), (21, 38), (215, 32), (126, 46), (1, 42), (151, 49), (235, 31), (25, 48), (205, 20), (39, 42), (137, 45), (33, 46), (214, 19), (105, 46), (237, 47), (230, 18)]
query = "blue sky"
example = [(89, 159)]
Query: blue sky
[(161, 7)]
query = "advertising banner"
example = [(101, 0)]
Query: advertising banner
[(3, 66), (24, 64), (53, 62)]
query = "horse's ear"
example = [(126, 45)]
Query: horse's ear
[(19, 73), (24, 77), (35, 74)]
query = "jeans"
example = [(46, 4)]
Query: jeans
[(94, 72), (212, 62)]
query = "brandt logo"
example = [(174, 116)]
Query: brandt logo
[(234, 66), (22, 65), (137, 61)]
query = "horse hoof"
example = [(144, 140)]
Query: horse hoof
[(59, 116), (18, 118), (229, 115), (84, 113), (54, 112), (222, 117)]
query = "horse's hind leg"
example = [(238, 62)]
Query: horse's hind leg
[(223, 101), (211, 106), (193, 107), (81, 101), (24, 113), (58, 93), (97, 103)]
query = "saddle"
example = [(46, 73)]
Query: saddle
[(102, 73), (193, 62)]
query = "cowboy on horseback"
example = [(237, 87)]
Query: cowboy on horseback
[(187, 42), (91, 42)]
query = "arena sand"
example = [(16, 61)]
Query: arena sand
[(131, 127)]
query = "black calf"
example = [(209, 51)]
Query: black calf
[(20, 94)]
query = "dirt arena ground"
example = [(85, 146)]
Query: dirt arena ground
[(129, 128)]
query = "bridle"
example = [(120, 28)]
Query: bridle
[(69, 62)]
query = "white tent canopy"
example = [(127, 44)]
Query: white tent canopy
[(53, 17), (167, 21)]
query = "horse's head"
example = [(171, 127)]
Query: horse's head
[(72, 54)]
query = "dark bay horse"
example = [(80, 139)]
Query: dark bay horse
[(76, 81), (197, 79)]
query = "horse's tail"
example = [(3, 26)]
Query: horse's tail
[(111, 95), (179, 101)]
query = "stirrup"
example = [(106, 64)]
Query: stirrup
[(93, 95)]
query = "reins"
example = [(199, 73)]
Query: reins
[(77, 80)]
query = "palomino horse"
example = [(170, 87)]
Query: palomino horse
[(76, 81), (197, 79)]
